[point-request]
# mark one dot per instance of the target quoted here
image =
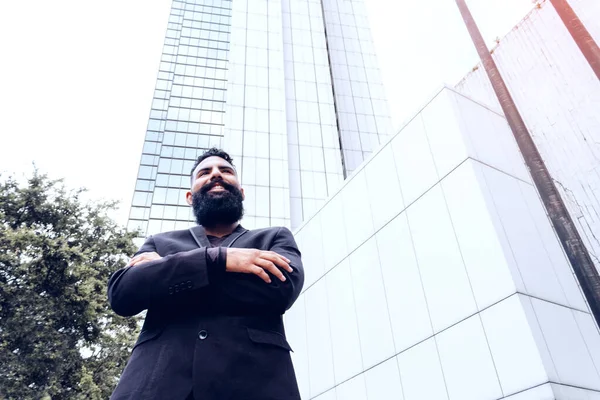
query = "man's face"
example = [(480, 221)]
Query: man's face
[(216, 194)]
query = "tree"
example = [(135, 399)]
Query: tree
[(58, 337), (569, 237), (579, 33)]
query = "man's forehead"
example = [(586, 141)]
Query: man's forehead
[(213, 161)]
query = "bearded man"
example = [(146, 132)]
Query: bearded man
[(215, 296)]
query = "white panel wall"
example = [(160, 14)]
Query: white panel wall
[(558, 96), (435, 274)]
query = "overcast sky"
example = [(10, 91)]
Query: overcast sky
[(76, 77)]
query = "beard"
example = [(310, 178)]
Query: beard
[(216, 208)]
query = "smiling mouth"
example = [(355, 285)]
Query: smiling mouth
[(217, 188)]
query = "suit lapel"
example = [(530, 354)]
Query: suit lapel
[(199, 235), (239, 231)]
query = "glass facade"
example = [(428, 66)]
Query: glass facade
[(362, 108), (289, 88)]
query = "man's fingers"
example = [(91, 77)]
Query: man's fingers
[(139, 258), (285, 263), (275, 258), (269, 266), (133, 261), (287, 260), (144, 257), (276, 265), (136, 261), (258, 271)]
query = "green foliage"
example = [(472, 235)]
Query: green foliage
[(58, 337)]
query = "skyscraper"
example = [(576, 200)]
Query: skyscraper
[(290, 88)]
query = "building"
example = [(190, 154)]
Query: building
[(558, 96), (449, 283), (289, 88)]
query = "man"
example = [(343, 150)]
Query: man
[(215, 296)]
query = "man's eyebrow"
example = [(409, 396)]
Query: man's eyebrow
[(220, 167)]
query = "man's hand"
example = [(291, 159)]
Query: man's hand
[(142, 258), (257, 262)]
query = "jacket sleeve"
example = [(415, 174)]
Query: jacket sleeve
[(249, 294), (134, 289)]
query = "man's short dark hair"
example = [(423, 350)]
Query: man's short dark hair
[(213, 152)]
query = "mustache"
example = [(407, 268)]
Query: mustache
[(227, 186), (223, 208)]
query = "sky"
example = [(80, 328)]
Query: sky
[(77, 77)]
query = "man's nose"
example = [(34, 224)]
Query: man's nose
[(215, 173)]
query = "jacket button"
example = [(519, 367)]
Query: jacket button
[(202, 334)]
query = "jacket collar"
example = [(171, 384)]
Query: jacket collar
[(199, 235)]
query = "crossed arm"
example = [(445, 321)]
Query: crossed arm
[(150, 279)]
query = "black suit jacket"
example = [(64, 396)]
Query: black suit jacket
[(217, 333)]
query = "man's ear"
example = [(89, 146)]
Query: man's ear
[(188, 197), (243, 194)]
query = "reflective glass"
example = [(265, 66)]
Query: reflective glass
[(258, 78)]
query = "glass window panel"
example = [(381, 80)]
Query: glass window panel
[(140, 199), (174, 181), (187, 91), (190, 154), (176, 166), (170, 212), (176, 90), (184, 114), (172, 113), (182, 198), (172, 196), (185, 181), (183, 213), (180, 137), (143, 185), (164, 165), (219, 95), (262, 121), (154, 125), (149, 159), (145, 172), (157, 211), (160, 195), (168, 226), (137, 226), (150, 147), (187, 166), (167, 151), (162, 180), (138, 213), (178, 152)]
